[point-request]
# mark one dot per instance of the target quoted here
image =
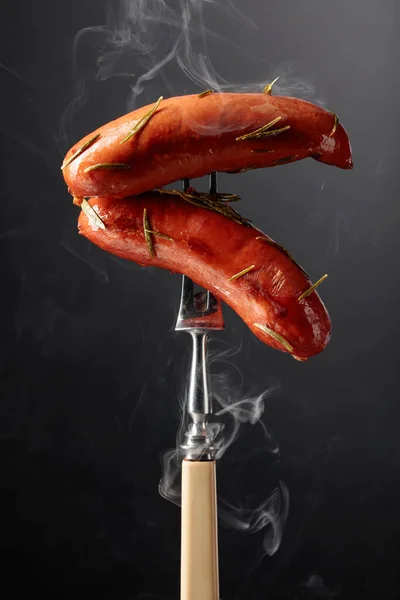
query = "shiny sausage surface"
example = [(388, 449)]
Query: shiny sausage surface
[(190, 136), (213, 250)]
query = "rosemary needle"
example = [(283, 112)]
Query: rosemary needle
[(312, 288), (142, 121), (92, 214), (241, 273), (205, 93), (81, 149), (277, 336), (147, 235), (106, 166)]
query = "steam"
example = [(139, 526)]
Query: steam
[(175, 46), (12, 71), (316, 584), (234, 412), (271, 515), (100, 273)]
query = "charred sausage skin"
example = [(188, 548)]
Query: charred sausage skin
[(190, 136), (211, 249)]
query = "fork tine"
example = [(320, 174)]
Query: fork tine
[(213, 183), (208, 300), (209, 316), (187, 295)]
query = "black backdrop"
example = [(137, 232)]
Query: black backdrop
[(91, 369)]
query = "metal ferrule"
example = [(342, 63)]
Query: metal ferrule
[(199, 443)]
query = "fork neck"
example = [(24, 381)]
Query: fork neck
[(198, 439), (199, 401)]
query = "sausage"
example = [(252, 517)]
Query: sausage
[(235, 261), (190, 136)]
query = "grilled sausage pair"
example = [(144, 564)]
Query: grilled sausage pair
[(200, 235)]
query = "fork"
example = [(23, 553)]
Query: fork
[(199, 313)]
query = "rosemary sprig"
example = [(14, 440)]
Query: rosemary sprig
[(105, 166), (221, 197), (211, 202), (142, 121), (335, 124), (150, 232), (160, 235), (92, 214), (282, 249), (241, 273), (81, 149), (205, 93), (147, 235), (284, 160), (268, 87), (277, 336), (312, 288), (264, 132)]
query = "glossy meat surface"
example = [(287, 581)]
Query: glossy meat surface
[(210, 249), (191, 136)]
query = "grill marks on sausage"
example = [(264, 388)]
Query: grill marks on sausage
[(277, 282)]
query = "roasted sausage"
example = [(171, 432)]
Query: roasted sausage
[(190, 136), (234, 260)]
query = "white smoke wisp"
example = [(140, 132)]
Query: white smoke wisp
[(316, 584), (147, 48), (234, 411), (100, 272), (270, 515), (175, 45)]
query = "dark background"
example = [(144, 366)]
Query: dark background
[(92, 371)]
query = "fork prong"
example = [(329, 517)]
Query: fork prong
[(190, 318), (208, 302), (187, 294), (213, 183)]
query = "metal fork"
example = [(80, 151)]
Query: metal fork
[(199, 313)]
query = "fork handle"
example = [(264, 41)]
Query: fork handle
[(199, 538)]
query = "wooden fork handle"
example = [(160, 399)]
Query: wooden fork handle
[(199, 549)]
